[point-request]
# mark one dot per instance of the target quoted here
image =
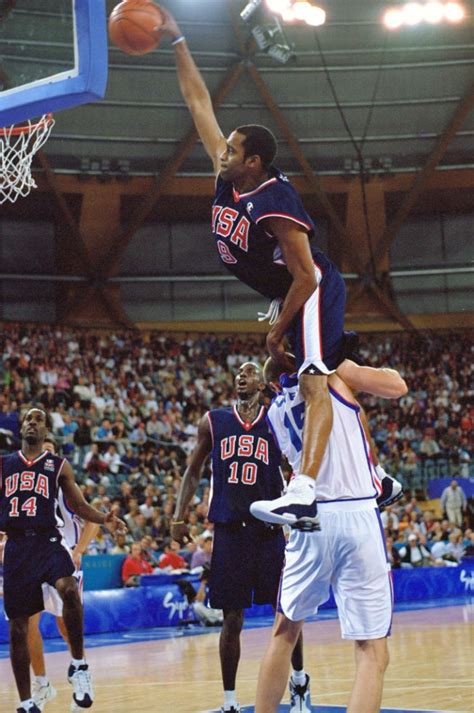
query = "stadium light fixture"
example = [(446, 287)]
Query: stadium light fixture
[(431, 12), (297, 11), (454, 12)]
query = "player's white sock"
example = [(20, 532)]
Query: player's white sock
[(42, 680), (27, 704), (229, 699), (78, 662), (299, 677)]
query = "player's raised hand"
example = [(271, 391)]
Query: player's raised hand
[(170, 26), (179, 532), (114, 524)]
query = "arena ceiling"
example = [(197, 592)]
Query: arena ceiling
[(355, 103)]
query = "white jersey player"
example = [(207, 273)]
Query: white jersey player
[(348, 554)]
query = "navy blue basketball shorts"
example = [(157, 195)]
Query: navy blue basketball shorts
[(316, 333), (247, 561), (28, 562)]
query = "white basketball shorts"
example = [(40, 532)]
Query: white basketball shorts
[(349, 554), (53, 602)]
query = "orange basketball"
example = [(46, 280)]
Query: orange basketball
[(134, 26)]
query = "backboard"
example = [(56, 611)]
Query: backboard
[(53, 55)]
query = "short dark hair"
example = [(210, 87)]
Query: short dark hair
[(47, 417), (258, 141)]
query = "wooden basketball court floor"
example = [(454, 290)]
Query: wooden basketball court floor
[(431, 669)]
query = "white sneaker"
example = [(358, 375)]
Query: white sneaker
[(83, 695), (297, 508), (392, 490), (300, 698), (42, 694)]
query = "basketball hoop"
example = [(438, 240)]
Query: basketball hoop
[(18, 145)]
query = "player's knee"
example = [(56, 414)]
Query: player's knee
[(69, 594), (284, 627), (374, 651), (19, 628), (233, 622), (314, 387)]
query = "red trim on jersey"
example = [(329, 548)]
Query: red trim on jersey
[(210, 425), (31, 462), (59, 473), (258, 189), (246, 424), (284, 215)]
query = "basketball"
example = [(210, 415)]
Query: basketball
[(134, 26)]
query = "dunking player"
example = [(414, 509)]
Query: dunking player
[(262, 234), (247, 557), (348, 554), (35, 551), (77, 536)]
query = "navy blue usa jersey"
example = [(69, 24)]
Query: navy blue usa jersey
[(29, 491), (245, 465), (245, 248)]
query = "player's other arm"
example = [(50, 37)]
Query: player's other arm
[(89, 531), (81, 507), (191, 478), (385, 383), (293, 241), (195, 94)]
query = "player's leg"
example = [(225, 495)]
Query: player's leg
[(62, 630), (229, 653), (371, 662), (72, 614), (78, 673), (316, 339), (42, 690), (363, 592), (299, 685), (35, 646), (230, 589), (275, 665), (19, 656)]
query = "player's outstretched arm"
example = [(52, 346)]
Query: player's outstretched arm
[(195, 93), (385, 383), (81, 507), (190, 482)]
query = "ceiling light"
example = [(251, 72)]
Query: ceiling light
[(278, 6), (393, 18), (453, 12), (315, 16), (412, 13), (433, 12)]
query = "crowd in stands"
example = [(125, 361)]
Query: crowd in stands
[(125, 408)]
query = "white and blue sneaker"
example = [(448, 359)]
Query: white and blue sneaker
[(83, 693), (300, 697), (392, 490), (42, 694), (296, 508)]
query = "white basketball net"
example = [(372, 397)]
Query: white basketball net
[(18, 145)]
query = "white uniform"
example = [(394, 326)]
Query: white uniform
[(349, 553), (70, 528)]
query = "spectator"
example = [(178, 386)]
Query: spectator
[(415, 554), (134, 566), (204, 552), (120, 547), (170, 557), (453, 503)]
